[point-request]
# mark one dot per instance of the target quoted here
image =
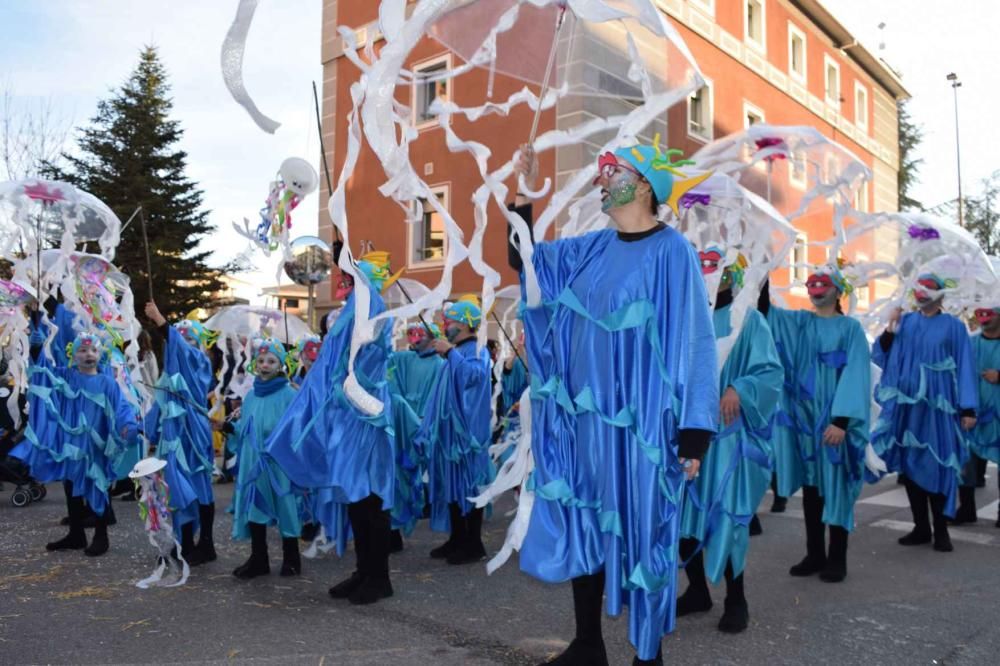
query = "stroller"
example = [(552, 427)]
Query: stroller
[(12, 470)]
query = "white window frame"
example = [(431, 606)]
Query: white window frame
[(445, 190), (861, 199), (710, 124), (748, 109), (827, 63), (794, 31), (798, 273), (861, 120), (705, 6), (423, 66), (761, 45), (793, 159)]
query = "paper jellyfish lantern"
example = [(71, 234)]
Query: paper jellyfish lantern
[(154, 495)]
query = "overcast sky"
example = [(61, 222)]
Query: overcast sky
[(74, 51)]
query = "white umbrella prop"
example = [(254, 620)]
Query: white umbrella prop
[(14, 297), (252, 321), (153, 499)]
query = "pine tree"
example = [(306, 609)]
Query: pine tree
[(128, 157), (910, 136)]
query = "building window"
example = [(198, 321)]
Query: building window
[(426, 91), (861, 106), (700, 113), (751, 115), (755, 24), (428, 240), (796, 53), (831, 81), (797, 173), (861, 199), (706, 6), (799, 261)]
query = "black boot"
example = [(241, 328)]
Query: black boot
[(396, 542), (187, 540), (696, 598), (921, 532), (99, 544), (258, 563), (309, 532), (980, 471), (457, 535), (471, 549), (375, 569), (655, 661), (942, 540), (755, 527), (587, 649), (836, 561), (736, 617), (291, 563), (357, 516), (205, 550), (77, 538), (780, 503), (815, 559), (966, 512)]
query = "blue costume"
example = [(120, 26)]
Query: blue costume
[(928, 383), (178, 424), (984, 439), (735, 472), (513, 382), (413, 378)]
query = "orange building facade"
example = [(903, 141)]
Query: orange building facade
[(783, 62)]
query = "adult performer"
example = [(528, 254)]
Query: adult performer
[(826, 412), (984, 439), (929, 397), (622, 407), (736, 471)]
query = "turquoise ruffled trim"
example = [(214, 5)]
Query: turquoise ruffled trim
[(175, 413), (940, 403)]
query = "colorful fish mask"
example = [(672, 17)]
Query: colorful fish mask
[(195, 333), (268, 346), (465, 310)]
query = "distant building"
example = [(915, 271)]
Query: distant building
[(784, 62)]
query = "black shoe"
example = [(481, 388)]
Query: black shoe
[(65, 520), (468, 553), (736, 617), (98, 545), (370, 591), (291, 562), (346, 588), (755, 527), (309, 532), (252, 568), (808, 566), (981, 482), (72, 541), (395, 541), (201, 554), (834, 572), (693, 601), (444, 550), (581, 653), (915, 538), (655, 661), (997, 524), (779, 504), (942, 542)]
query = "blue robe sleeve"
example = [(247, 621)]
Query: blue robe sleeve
[(968, 378), (759, 385), (852, 399)]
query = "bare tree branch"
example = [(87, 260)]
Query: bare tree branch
[(31, 135)]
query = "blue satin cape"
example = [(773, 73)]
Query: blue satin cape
[(928, 378), (736, 471), (623, 356)]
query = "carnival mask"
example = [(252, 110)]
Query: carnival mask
[(822, 291), (710, 261), (987, 317), (345, 285), (310, 351), (927, 295), (619, 182)]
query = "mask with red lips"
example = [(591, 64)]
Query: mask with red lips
[(416, 336), (822, 290), (924, 298), (345, 285), (310, 352), (988, 318), (710, 261)]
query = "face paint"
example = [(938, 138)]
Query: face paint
[(710, 261), (822, 292), (925, 298), (268, 365), (987, 317), (619, 182), (310, 352), (86, 357), (345, 285)]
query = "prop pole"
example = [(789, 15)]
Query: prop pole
[(322, 152), (145, 244), (548, 75), (423, 321), (509, 341), (38, 261), (131, 217)]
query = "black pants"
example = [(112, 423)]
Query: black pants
[(919, 501), (372, 527)]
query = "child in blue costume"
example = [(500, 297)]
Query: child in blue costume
[(305, 353), (178, 424), (341, 455), (929, 395), (256, 502), (984, 439), (513, 382), (413, 376), (79, 425), (624, 400), (736, 471), (455, 435), (821, 429)]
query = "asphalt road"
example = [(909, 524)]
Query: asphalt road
[(898, 605)]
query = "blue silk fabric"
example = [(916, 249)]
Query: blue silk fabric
[(736, 471), (79, 427), (455, 434), (256, 499), (413, 379), (622, 354), (928, 378), (827, 375), (512, 384), (178, 424), (984, 439), (328, 448)]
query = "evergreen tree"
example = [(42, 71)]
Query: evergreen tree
[(128, 157), (910, 136)]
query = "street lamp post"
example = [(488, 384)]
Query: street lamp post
[(955, 85)]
